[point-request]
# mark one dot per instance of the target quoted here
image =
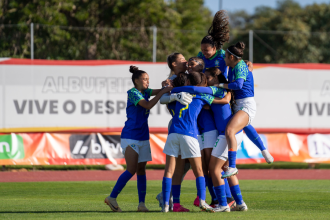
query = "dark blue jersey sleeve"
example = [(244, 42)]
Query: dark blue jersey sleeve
[(193, 90), (237, 84)]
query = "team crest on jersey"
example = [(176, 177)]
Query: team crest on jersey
[(217, 62)]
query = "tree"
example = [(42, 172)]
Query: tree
[(109, 29), (295, 42)]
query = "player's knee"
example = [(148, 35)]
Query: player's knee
[(132, 170), (141, 171), (230, 132)]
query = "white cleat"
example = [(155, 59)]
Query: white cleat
[(230, 172), (142, 207), (112, 203), (165, 208), (268, 157), (243, 207), (159, 197), (205, 207), (171, 203), (219, 208)]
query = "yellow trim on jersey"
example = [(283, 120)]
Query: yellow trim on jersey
[(184, 108), (173, 112)]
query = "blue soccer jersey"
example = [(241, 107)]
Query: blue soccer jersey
[(136, 126), (185, 117), (241, 71), (218, 60), (171, 107), (222, 113)]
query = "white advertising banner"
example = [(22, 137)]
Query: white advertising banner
[(43, 95)]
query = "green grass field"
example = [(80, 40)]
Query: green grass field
[(266, 199)]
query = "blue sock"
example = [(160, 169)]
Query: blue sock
[(221, 195), (236, 192), (201, 189), (206, 177), (176, 190), (228, 193), (142, 187), (167, 183), (211, 190), (121, 183), (254, 137), (232, 158)]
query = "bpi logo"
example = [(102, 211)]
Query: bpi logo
[(319, 145), (11, 147), (95, 146)]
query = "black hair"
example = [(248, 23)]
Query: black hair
[(136, 73), (218, 33), (170, 59), (237, 50), (197, 79), (180, 80), (215, 72), (200, 62)]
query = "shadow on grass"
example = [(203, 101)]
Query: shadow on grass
[(39, 212)]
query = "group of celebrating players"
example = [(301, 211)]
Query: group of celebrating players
[(211, 100)]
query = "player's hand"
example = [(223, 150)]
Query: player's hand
[(167, 89), (167, 82), (183, 97), (249, 64), (207, 107)]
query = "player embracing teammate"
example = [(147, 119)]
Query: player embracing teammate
[(207, 137)]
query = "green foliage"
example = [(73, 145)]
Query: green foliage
[(297, 43), (111, 29), (266, 199)]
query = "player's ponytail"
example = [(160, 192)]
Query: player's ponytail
[(136, 73), (237, 50), (170, 59), (218, 33)]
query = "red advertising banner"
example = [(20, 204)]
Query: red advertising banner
[(97, 148)]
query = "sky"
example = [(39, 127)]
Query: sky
[(249, 6)]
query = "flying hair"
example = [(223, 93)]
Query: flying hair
[(218, 33)]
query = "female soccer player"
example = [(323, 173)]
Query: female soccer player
[(213, 56), (222, 115), (183, 139), (241, 82), (135, 137), (178, 65)]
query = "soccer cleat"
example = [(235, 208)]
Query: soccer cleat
[(142, 207), (268, 157), (196, 202), (171, 203), (165, 208), (205, 207), (214, 203), (231, 202), (243, 207), (159, 197), (230, 172), (179, 208), (112, 203), (220, 208)]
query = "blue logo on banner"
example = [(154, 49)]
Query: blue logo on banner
[(248, 150)]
